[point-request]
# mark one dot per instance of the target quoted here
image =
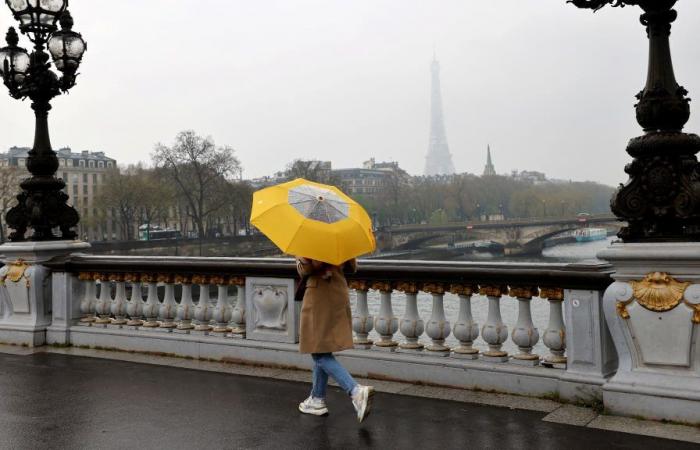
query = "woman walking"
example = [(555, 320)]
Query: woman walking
[(326, 327)]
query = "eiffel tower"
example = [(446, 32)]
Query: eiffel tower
[(439, 160)]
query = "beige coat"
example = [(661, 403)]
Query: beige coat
[(326, 321)]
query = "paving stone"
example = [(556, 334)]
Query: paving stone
[(647, 428), (485, 398), (571, 415)]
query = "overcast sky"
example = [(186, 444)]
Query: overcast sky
[(549, 86)]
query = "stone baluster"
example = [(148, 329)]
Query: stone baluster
[(135, 307), (362, 321), (87, 304), (103, 306), (152, 307), (186, 308), (494, 331), (202, 313), (221, 315), (554, 336), (119, 303), (168, 309), (411, 325), (238, 313), (524, 334), (385, 323), (466, 330), (438, 327)]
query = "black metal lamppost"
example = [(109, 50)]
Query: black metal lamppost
[(41, 203), (661, 200)]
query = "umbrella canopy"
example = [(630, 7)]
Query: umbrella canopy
[(313, 220)]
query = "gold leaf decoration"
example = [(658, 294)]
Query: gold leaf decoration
[(15, 270), (659, 291), (622, 310)]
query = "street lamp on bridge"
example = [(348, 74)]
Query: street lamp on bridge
[(661, 200), (41, 204)]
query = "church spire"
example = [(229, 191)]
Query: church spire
[(439, 160), (489, 170)]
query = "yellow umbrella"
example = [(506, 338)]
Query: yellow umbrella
[(313, 220)]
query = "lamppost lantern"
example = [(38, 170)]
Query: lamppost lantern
[(66, 46), (37, 18), (14, 60), (41, 205), (661, 200)]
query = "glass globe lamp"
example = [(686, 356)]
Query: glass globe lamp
[(66, 46), (14, 60), (37, 16)]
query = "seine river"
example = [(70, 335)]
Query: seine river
[(509, 306)]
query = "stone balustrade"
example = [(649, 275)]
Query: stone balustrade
[(243, 309)]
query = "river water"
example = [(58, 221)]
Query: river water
[(509, 306)]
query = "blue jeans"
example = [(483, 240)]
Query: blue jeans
[(326, 365)]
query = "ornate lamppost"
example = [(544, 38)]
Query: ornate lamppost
[(41, 203), (652, 309), (661, 200)]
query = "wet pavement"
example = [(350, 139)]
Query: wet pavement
[(58, 401)]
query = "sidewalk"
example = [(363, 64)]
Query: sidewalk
[(73, 398)]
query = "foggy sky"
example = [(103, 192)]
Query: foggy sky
[(548, 86)]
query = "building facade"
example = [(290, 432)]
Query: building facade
[(371, 179), (83, 173)]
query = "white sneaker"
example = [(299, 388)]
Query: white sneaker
[(315, 406), (362, 401)]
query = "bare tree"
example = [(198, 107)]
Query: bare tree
[(199, 170)]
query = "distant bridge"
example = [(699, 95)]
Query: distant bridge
[(517, 236)]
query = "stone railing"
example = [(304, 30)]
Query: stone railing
[(243, 309)]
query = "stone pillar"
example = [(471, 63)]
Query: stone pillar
[(525, 335), (185, 310), (26, 290), (411, 325), (385, 323), (555, 335), (590, 353), (221, 315), (135, 307), (151, 308), (103, 307), (168, 309), (202, 313), (465, 329), (653, 312), (362, 321), (438, 327), (494, 331), (89, 298), (119, 303), (238, 313)]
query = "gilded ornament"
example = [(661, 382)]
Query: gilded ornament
[(15, 270), (358, 285), (433, 288), (659, 291), (407, 287), (552, 293), (524, 292), (463, 289), (382, 286), (493, 290), (622, 309), (236, 281)]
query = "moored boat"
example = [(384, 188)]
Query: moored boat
[(590, 234)]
